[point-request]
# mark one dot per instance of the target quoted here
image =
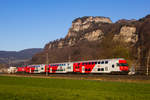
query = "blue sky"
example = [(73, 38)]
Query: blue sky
[(33, 23)]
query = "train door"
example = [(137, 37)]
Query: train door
[(106, 66), (42, 68), (50, 71), (70, 67), (113, 66), (83, 69)]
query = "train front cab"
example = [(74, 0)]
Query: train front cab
[(119, 66), (123, 66)]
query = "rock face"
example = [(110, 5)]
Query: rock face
[(92, 29), (95, 28), (127, 34), (84, 23), (97, 37), (85, 28)]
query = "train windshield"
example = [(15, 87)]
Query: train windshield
[(122, 64)]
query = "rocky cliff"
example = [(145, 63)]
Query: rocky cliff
[(95, 28), (97, 37)]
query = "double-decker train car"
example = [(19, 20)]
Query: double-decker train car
[(66, 67), (21, 69), (31, 69), (36, 68), (117, 65), (101, 66)]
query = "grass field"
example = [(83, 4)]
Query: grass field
[(27, 88)]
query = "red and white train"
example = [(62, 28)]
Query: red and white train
[(117, 65)]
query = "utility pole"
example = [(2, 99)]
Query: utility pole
[(147, 63), (9, 61), (69, 58), (47, 64)]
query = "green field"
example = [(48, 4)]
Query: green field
[(21, 88)]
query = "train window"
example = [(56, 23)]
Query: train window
[(99, 69), (106, 62), (92, 62), (102, 62), (95, 62), (89, 69), (99, 62), (113, 66), (118, 64), (102, 69), (41, 68)]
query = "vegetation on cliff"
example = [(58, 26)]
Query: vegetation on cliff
[(80, 43)]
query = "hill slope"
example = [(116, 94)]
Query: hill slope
[(97, 38), (17, 57)]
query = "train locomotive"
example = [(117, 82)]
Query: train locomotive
[(116, 65)]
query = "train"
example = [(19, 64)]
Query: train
[(107, 66)]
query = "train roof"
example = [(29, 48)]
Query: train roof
[(80, 61), (90, 60), (99, 60)]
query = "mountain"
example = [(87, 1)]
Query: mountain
[(18, 57), (98, 37)]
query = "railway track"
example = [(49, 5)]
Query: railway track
[(98, 77)]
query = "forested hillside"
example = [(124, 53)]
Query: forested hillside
[(97, 38), (15, 57)]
